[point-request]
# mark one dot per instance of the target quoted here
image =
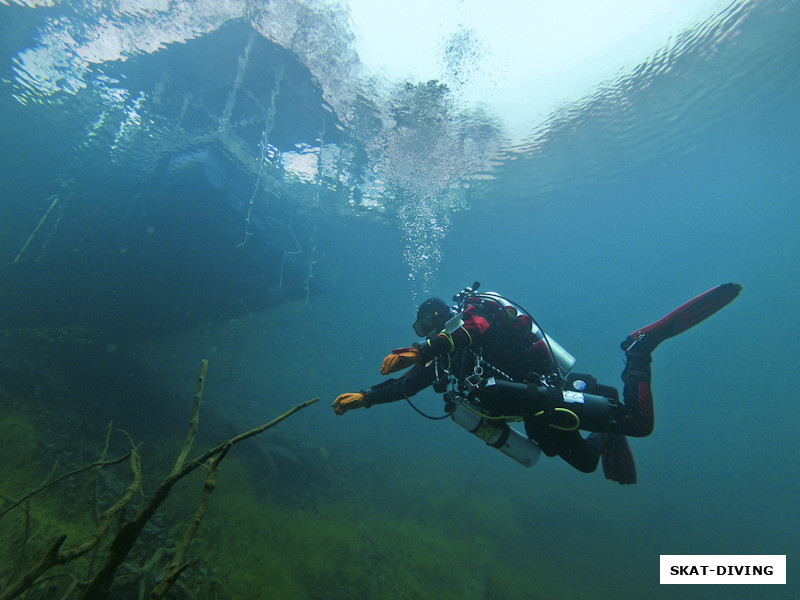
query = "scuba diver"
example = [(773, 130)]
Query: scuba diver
[(494, 365)]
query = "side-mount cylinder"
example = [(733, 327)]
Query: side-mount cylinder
[(593, 412)]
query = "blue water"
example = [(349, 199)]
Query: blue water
[(657, 186)]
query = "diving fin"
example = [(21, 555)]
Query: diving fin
[(687, 315), (618, 464)]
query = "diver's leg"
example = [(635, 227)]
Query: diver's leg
[(583, 454), (636, 417)]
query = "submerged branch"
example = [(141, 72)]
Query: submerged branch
[(99, 588), (54, 556), (178, 563), (193, 424), (98, 464), (100, 585), (248, 434)]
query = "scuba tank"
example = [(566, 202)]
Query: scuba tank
[(566, 410), (563, 359), (497, 434)]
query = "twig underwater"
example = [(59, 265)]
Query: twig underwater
[(99, 585)]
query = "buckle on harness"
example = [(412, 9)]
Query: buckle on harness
[(473, 382)]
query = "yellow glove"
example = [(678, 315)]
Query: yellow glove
[(345, 402), (400, 359)]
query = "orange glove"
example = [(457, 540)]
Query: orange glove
[(345, 402), (400, 359)]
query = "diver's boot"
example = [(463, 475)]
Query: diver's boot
[(687, 315)]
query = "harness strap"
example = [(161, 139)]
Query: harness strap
[(480, 362)]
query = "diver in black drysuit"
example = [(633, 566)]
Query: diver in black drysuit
[(492, 357)]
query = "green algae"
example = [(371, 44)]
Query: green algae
[(351, 547), (328, 524), (28, 530), (348, 542)]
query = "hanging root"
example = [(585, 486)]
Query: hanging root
[(54, 197)]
